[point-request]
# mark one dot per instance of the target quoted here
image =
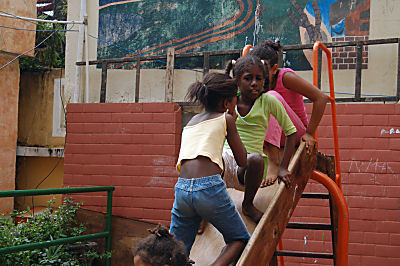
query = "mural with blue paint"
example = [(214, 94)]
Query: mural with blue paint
[(149, 27)]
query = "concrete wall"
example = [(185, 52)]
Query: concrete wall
[(39, 102), (41, 127), (102, 152), (8, 127), (38, 173), (378, 79), (12, 43)]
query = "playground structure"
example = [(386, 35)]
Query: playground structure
[(278, 203)]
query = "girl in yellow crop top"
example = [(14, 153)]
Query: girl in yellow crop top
[(200, 192)]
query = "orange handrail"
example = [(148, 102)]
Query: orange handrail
[(342, 247), (331, 98), (246, 49)]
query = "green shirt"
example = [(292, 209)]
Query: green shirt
[(252, 128)]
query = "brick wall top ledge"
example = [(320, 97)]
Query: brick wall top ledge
[(122, 107)]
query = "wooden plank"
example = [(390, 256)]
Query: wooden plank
[(260, 248), (169, 76), (357, 92), (326, 165), (137, 79), (276, 201), (209, 245), (206, 63), (103, 82)]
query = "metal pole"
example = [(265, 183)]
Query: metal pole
[(79, 53), (87, 59), (103, 82), (43, 20), (108, 226), (169, 76), (357, 90), (206, 63), (137, 79)]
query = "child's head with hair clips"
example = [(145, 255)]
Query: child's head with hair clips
[(160, 249), (249, 71), (268, 51), (214, 88)]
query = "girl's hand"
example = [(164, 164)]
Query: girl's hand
[(310, 142), (283, 175)]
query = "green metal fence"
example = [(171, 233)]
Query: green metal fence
[(36, 192)]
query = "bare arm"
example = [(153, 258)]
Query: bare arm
[(234, 141), (303, 87), (290, 145)]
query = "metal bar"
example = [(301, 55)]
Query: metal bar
[(35, 192), (103, 82), (342, 244), (331, 98), (340, 44), (51, 243), (238, 51), (315, 195), (160, 57), (108, 226), (333, 231), (313, 226), (303, 254), (206, 63), (280, 58), (44, 20), (357, 89), (366, 99), (137, 79), (319, 67)]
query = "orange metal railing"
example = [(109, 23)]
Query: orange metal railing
[(342, 243), (331, 98), (334, 188)]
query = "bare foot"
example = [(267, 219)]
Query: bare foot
[(264, 183), (272, 174), (202, 227), (268, 181), (252, 212)]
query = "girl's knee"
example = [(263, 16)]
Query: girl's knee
[(255, 160)]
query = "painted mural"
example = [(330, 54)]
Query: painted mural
[(149, 27)]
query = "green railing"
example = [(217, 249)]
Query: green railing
[(36, 192)]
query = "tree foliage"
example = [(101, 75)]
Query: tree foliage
[(51, 53)]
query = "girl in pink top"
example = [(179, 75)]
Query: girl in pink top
[(289, 88)]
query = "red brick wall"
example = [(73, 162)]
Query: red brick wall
[(369, 141), (344, 58), (132, 146)]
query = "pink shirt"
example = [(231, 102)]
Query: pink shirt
[(294, 99)]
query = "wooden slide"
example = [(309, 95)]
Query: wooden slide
[(278, 204)]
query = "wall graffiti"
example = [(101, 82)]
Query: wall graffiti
[(149, 27)]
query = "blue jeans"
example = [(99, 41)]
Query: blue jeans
[(207, 198)]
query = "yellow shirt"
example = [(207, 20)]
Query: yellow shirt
[(206, 139)]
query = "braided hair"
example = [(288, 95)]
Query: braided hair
[(160, 248), (214, 88), (242, 64), (268, 51)]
